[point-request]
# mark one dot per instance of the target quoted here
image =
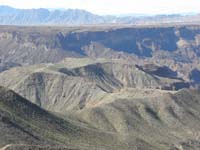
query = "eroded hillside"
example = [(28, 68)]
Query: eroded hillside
[(68, 86), (128, 119), (53, 41), (124, 88), (24, 125), (176, 46)]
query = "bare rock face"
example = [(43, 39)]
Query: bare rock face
[(169, 46), (29, 46), (173, 46), (52, 44)]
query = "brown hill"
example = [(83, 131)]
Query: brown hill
[(24, 125), (65, 86), (166, 120)]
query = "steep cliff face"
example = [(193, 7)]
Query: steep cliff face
[(51, 44), (141, 41), (27, 45)]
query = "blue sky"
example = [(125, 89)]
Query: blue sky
[(113, 6)]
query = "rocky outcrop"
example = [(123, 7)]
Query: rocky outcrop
[(33, 45)]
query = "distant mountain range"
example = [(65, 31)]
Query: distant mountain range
[(13, 16)]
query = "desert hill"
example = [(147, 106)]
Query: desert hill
[(152, 115), (173, 46), (26, 126), (144, 119), (68, 86), (100, 87)]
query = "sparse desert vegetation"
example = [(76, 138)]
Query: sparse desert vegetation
[(100, 87)]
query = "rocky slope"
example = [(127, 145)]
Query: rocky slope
[(152, 115), (176, 46), (133, 119), (24, 125), (22, 122), (100, 100), (70, 86), (125, 92)]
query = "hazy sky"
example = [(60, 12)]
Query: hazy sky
[(113, 6)]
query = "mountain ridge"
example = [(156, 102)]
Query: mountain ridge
[(100, 87), (24, 125), (44, 16)]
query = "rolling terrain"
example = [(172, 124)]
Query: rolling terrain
[(26, 126), (164, 119), (62, 86), (133, 119), (100, 87), (114, 98), (175, 46)]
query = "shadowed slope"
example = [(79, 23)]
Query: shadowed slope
[(24, 125)]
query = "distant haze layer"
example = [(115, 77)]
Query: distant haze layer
[(113, 7)]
